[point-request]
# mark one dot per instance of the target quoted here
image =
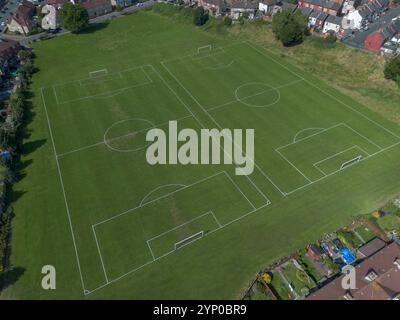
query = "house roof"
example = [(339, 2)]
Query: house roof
[(326, 3), (269, 2), (24, 13), (306, 11), (217, 3), (334, 20), (319, 15), (242, 4), (8, 48), (384, 263), (371, 247), (54, 2), (90, 4)]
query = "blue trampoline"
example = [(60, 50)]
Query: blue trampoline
[(347, 255)]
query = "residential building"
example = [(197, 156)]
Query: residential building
[(317, 20), (376, 278), (97, 8), (370, 248), (375, 41), (122, 3), (267, 6), (332, 24), (305, 11), (332, 7), (22, 21), (8, 54), (242, 8), (214, 7)]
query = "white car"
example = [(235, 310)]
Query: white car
[(3, 23)]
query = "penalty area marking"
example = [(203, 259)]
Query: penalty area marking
[(304, 130), (158, 188)]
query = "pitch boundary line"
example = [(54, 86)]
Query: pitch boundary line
[(64, 193), (165, 255), (220, 226)]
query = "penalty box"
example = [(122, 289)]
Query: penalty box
[(162, 225), (102, 85), (327, 151)]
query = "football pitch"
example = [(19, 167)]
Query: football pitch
[(125, 215)]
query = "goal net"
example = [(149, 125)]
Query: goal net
[(188, 240), (98, 73), (350, 162), (203, 49)]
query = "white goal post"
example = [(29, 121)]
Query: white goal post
[(188, 240), (204, 48), (350, 162), (98, 73)]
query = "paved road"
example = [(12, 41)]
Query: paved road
[(357, 39), (26, 40), (117, 14)]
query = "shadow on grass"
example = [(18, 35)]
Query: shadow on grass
[(94, 27), (8, 278)]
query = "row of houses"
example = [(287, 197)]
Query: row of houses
[(23, 21)]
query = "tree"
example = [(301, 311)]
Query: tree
[(289, 27), (74, 17), (227, 21), (200, 16), (392, 69)]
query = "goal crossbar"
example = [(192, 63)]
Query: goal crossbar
[(350, 162), (188, 240), (98, 73), (204, 48)]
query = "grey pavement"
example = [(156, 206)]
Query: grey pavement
[(357, 39)]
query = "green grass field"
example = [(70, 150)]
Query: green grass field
[(92, 206)]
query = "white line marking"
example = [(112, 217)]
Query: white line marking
[(303, 130), (158, 188), (63, 191), (99, 251)]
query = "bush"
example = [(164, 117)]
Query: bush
[(392, 69), (227, 21), (289, 27), (200, 16), (74, 17)]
